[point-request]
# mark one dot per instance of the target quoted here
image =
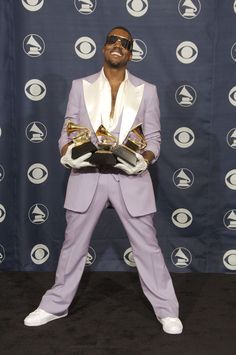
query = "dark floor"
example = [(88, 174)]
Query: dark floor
[(110, 316)]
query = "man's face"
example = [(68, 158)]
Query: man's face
[(115, 55)]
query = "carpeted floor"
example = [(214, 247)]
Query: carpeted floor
[(110, 316)]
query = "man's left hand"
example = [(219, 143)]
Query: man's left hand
[(140, 166)]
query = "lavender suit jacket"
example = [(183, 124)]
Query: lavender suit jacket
[(141, 106)]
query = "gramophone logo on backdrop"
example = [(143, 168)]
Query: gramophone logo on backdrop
[(35, 90), (139, 50), (183, 178), (85, 7), (37, 173), (2, 253), (234, 6), (38, 213), (186, 52), (129, 257), (181, 257), (2, 213), (229, 259), (36, 132), (230, 179), (32, 5), (232, 96), (230, 220), (233, 52), (2, 173), (91, 257), (185, 96), (39, 254), (231, 138), (85, 47), (189, 9), (182, 218), (33, 45), (184, 137), (137, 8)]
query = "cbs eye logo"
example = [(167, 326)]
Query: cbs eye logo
[(85, 47), (32, 5), (137, 8), (2, 213), (129, 257), (35, 90), (232, 96), (229, 260), (184, 137), (182, 218), (186, 52), (230, 179), (39, 254), (37, 173)]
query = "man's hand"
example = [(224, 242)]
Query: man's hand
[(78, 163), (140, 166)]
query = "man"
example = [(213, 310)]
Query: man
[(119, 101)]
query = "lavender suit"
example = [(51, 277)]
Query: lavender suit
[(131, 196)]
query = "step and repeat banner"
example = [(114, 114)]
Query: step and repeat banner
[(187, 48)]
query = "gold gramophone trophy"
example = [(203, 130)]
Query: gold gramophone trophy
[(135, 143), (106, 142), (81, 139)]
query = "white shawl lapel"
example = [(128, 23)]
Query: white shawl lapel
[(92, 97), (133, 98), (93, 102)]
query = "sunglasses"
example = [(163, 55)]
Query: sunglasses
[(126, 43)]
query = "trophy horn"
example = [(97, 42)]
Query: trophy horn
[(107, 136), (72, 127)]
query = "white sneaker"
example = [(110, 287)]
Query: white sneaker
[(40, 317), (171, 325)]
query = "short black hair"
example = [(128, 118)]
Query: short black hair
[(124, 29)]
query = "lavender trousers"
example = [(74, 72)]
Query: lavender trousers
[(155, 279)]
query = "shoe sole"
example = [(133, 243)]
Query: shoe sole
[(173, 333), (37, 324)]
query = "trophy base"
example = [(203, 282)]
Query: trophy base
[(126, 154), (102, 158), (82, 149)]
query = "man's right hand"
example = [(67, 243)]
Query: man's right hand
[(78, 163)]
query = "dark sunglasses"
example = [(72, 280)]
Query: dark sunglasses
[(126, 43)]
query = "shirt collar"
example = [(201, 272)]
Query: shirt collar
[(104, 78)]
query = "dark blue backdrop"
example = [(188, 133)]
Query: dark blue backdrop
[(186, 48)]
